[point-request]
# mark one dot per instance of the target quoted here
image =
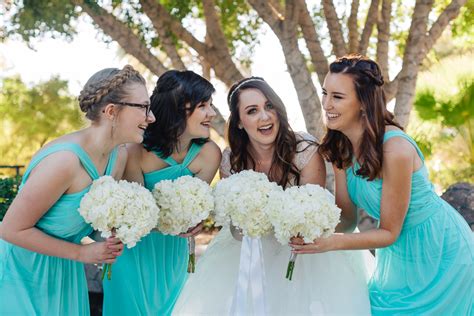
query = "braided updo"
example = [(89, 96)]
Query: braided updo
[(106, 86)]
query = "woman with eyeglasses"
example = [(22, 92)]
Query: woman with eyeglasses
[(148, 278), (424, 248), (41, 256)]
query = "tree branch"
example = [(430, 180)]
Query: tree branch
[(213, 27), (267, 13), (369, 24), (313, 44), (335, 29), (125, 37), (161, 18), (410, 66), (449, 14), (383, 37), (353, 30), (165, 36)]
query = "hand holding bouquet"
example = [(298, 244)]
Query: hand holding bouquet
[(184, 202), (122, 208), (307, 211)]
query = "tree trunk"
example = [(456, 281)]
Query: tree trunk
[(410, 67), (335, 29)]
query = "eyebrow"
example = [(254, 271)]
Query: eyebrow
[(250, 105), (340, 93)]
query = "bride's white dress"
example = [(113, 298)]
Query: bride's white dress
[(332, 283)]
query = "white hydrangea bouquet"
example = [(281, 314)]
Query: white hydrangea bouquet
[(241, 198), (184, 203), (125, 209), (307, 211)]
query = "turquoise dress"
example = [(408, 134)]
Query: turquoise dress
[(147, 279), (429, 270), (36, 284)]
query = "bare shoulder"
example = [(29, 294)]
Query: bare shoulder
[(210, 151), (134, 149), (398, 147), (64, 164)]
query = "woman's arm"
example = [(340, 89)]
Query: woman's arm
[(50, 179), (314, 171), (397, 171)]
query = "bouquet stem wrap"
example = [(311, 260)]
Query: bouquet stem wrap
[(291, 266), (192, 254), (251, 275)]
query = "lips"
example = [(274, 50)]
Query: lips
[(266, 129), (332, 116), (206, 124)]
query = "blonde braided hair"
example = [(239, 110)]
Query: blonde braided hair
[(106, 86)]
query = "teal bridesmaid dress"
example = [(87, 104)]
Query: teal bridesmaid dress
[(429, 270), (147, 279), (36, 284)]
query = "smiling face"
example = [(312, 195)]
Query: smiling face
[(198, 123), (132, 121), (340, 103), (258, 117)]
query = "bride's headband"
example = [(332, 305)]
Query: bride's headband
[(241, 84)]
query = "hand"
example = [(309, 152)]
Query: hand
[(193, 231), (101, 252), (318, 245)]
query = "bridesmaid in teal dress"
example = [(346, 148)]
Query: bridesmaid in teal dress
[(425, 249), (148, 278), (41, 257)]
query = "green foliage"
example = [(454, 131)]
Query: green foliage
[(443, 120), (31, 116), (8, 191), (35, 18)]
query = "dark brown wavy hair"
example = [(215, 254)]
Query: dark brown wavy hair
[(368, 84), (174, 90), (283, 168)]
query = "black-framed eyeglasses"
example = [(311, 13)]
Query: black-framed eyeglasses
[(146, 106)]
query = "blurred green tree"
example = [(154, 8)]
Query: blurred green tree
[(31, 116)]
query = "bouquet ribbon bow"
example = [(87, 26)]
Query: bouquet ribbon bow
[(251, 275)]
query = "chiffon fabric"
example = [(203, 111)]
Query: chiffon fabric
[(429, 270), (36, 284), (147, 279)]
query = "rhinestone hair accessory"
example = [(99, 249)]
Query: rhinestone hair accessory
[(241, 84)]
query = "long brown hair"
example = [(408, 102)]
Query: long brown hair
[(283, 168), (368, 83)]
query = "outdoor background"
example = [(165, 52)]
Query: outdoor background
[(49, 49)]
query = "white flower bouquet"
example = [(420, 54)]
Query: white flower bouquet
[(123, 208), (308, 211), (241, 199), (184, 203)]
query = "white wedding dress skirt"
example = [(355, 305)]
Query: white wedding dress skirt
[(332, 283)]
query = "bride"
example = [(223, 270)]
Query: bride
[(261, 139)]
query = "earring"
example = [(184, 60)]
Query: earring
[(240, 126)]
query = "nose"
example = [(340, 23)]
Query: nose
[(150, 117), (325, 103), (264, 115), (212, 112)]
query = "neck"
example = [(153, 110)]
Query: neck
[(183, 143), (98, 141), (355, 137), (262, 153)]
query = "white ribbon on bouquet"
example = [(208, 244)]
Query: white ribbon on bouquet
[(251, 276)]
